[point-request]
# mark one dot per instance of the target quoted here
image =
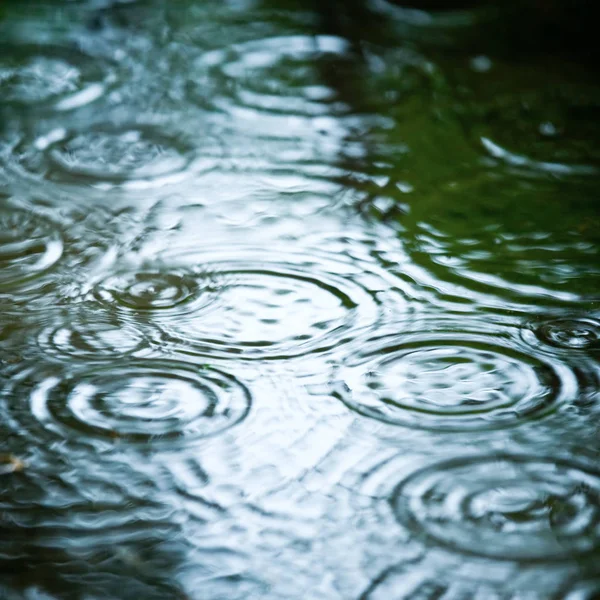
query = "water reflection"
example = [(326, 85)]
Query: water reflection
[(296, 301)]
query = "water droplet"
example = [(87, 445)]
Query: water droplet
[(513, 507), (481, 63)]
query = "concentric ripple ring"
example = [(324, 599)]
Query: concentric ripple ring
[(108, 154), (254, 307), (150, 290), (91, 339), (452, 382), (507, 507), (566, 333), (142, 401), (273, 76)]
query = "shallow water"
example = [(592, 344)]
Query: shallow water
[(295, 304)]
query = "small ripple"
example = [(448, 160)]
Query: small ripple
[(91, 338), (437, 23), (511, 507), (143, 401), (436, 577), (273, 81), (452, 381), (521, 161), (258, 306), (30, 245), (130, 155), (232, 587), (154, 290), (410, 584), (55, 77), (566, 333)]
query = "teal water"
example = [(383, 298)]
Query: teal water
[(297, 301)]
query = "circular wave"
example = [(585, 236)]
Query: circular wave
[(141, 401), (566, 333), (274, 82), (437, 576), (30, 245), (92, 338), (452, 382), (261, 307), (55, 77), (125, 154), (511, 507), (153, 290)]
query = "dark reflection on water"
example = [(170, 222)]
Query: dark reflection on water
[(297, 301)]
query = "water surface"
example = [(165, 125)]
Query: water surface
[(296, 301)]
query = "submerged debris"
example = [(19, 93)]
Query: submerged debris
[(9, 463)]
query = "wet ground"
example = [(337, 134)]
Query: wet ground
[(296, 302)]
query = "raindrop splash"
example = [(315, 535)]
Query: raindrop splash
[(452, 382), (254, 306), (513, 507), (113, 154), (566, 333)]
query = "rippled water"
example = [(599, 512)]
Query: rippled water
[(297, 302)]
